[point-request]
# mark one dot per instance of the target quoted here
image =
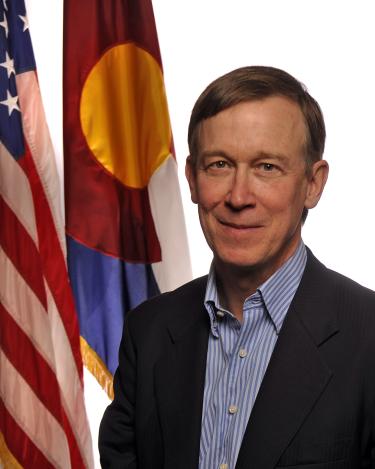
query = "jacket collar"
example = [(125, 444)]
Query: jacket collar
[(179, 377), (296, 375)]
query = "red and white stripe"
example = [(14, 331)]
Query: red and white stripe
[(42, 413)]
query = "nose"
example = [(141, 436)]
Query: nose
[(241, 193)]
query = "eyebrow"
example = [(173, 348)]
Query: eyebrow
[(273, 156), (207, 154), (260, 155)]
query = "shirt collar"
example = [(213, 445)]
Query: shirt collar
[(277, 291)]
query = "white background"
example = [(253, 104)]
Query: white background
[(328, 45)]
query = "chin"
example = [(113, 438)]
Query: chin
[(239, 261)]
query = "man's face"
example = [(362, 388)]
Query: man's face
[(251, 183)]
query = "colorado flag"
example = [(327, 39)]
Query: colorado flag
[(125, 227)]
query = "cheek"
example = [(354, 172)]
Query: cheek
[(207, 225), (282, 197), (274, 197), (210, 194)]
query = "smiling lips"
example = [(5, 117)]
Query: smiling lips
[(238, 226)]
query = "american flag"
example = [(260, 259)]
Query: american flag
[(43, 422)]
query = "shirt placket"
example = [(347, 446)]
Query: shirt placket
[(231, 404), (243, 348)]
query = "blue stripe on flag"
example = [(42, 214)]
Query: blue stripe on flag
[(104, 288)]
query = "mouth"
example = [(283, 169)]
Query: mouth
[(240, 226)]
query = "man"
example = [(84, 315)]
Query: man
[(270, 361)]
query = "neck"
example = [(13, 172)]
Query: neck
[(234, 287), (235, 283)]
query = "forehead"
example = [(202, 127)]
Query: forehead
[(274, 124)]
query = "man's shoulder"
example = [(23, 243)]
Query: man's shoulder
[(187, 298), (355, 304), (337, 282), (186, 292), (330, 304), (337, 291), (345, 283)]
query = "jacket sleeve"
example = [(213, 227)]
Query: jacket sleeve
[(117, 444)]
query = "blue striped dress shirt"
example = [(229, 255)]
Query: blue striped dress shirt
[(237, 358)]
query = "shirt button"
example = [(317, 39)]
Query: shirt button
[(242, 353), (223, 466), (233, 409), (220, 314)]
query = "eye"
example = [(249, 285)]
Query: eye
[(269, 170), (218, 164), (217, 167), (268, 167)]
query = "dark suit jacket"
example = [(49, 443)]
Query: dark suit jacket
[(316, 405)]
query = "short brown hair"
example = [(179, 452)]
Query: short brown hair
[(255, 83), (251, 84)]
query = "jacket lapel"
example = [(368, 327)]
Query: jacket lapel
[(179, 382), (296, 375)]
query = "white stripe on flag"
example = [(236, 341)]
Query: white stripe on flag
[(15, 188), (40, 425), (26, 309), (67, 376), (37, 136), (168, 215)]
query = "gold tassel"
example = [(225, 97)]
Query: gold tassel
[(95, 365), (6, 457)]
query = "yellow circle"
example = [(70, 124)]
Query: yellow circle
[(124, 114)]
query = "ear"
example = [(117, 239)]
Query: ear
[(317, 180), (190, 173)]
